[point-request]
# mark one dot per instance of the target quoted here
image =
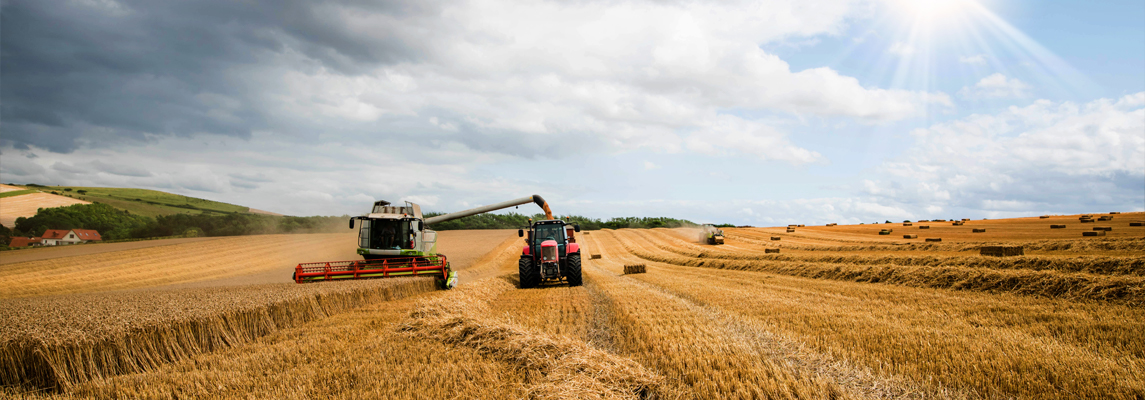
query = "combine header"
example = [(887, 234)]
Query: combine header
[(394, 241)]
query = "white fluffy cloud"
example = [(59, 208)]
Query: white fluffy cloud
[(996, 86), (1039, 157), (977, 59)]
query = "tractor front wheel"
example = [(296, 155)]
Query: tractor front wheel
[(530, 276), (572, 269)]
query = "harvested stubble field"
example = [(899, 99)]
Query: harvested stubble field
[(731, 321), (26, 205)]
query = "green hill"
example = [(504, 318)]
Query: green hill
[(151, 203)]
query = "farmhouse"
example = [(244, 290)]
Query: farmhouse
[(53, 237), (23, 242)]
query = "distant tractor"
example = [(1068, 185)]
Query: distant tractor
[(711, 235), (551, 253), (396, 241)]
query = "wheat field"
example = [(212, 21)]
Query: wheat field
[(839, 313)]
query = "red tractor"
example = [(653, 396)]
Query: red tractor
[(551, 254)]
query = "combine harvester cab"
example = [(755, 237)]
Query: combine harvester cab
[(394, 241), (551, 253)]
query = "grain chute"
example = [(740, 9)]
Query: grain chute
[(395, 241)]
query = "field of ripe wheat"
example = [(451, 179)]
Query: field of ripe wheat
[(838, 312)]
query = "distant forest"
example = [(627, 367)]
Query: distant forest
[(116, 224), (514, 221)]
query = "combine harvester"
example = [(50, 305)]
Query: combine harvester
[(711, 235), (394, 241)]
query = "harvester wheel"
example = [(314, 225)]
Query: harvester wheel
[(572, 269), (529, 274)]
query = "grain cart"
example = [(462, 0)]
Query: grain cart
[(551, 253), (395, 241), (711, 235)]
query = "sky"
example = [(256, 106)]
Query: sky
[(756, 113)]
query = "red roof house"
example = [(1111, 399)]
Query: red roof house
[(53, 237), (23, 242)]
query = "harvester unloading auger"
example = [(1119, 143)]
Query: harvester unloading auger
[(394, 241)]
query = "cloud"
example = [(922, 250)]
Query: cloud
[(996, 86), (1044, 157), (648, 166), (977, 59), (534, 79), (901, 49), (119, 169)]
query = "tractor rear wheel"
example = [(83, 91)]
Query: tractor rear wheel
[(529, 274), (572, 269)]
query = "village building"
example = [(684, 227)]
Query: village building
[(54, 237), (24, 241)]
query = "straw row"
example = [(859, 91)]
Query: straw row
[(56, 342)]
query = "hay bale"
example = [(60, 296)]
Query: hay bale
[(1057, 226), (793, 226), (1044, 216), (1115, 212), (633, 269), (906, 224), (910, 236), (1103, 228), (1137, 224), (1105, 218), (1093, 233), (959, 223), (884, 232), (924, 227), (801, 225), (977, 230), (965, 219), (776, 238), (594, 256), (1002, 251), (1085, 220), (832, 224), (765, 251), (789, 230), (934, 239)]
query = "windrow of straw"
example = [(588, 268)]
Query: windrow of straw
[(1129, 290), (559, 367), (1071, 245), (1102, 265), (56, 342)]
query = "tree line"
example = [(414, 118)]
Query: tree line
[(514, 221), (116, 224)]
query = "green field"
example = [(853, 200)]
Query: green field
[(17, 193), (150, 203)]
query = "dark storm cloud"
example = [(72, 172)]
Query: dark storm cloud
[(90, 74)]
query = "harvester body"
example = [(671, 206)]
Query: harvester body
[(550, 254), (711, 235), (396, 241)]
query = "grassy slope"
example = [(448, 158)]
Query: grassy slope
[(16, 193), (147, 202)]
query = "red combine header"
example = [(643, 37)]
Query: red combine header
[(436, 266)]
